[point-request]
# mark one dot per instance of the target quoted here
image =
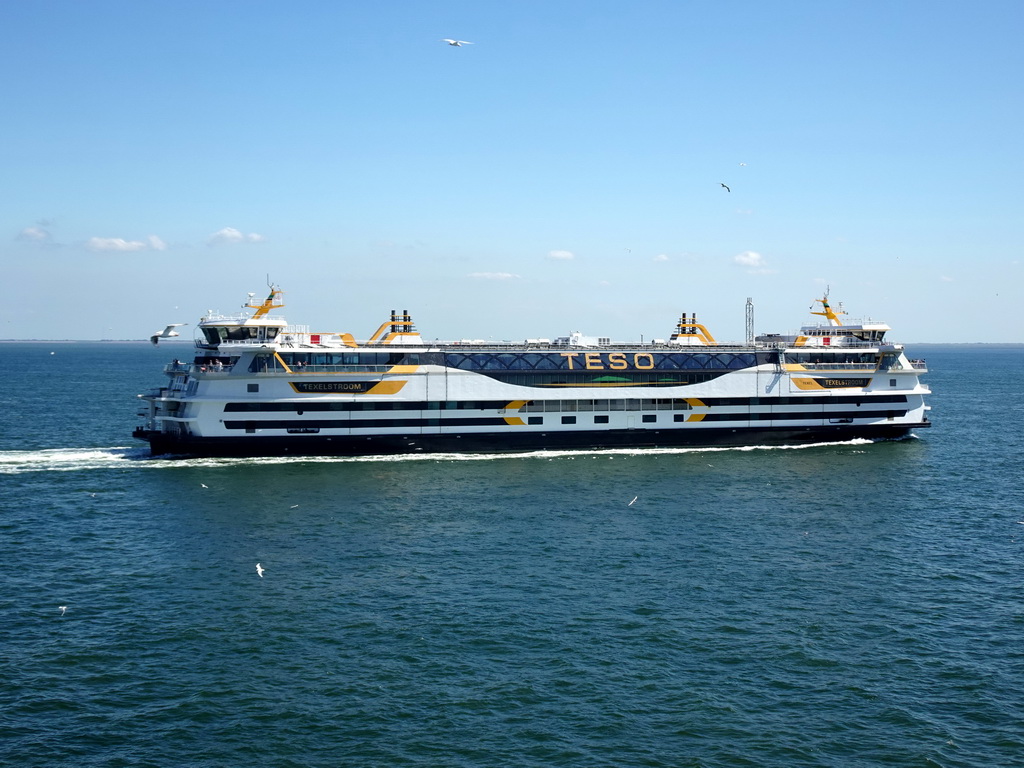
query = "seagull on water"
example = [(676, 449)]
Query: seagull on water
[(166, 333), (726, 188), (259, 570), (62, 609), (204, 485), (456, 43)]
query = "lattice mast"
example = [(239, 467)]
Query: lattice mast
[(750, 320)]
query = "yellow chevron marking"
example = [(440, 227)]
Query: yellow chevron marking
[(696, 417), (807, 384), (515, 421), (386, 388), (403, 369), (695, 402)]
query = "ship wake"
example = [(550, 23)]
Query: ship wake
[(121, 458)]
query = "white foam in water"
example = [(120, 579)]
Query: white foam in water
[(71, 459), (66, 459)]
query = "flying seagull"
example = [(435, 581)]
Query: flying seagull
[(166, 333), (456, 43), (633, 501), (259, 570), (62, 609), (726, 188)]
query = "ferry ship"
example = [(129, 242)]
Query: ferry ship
[(258, 386)]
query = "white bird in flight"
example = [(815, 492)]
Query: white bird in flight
[(166, 333), (456, 43), (633, 501), (259, 570), (62, 609)]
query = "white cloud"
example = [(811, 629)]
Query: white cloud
[(151, 243), (492, 275), (661, 257), (114, 244), (34, 234), (749, 259), (946, 279), (561, 255), (230, 236), (754, 261)]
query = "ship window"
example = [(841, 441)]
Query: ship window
[(242, 333), (252, 387), (892, 382), (535, 420), (600, 419), (679, 417), (649, 418), (568, 419)]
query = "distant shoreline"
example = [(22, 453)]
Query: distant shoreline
[(88, 341)]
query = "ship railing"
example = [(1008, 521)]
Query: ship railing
[(919, 365), (274, 367), (839, 366), (217, 317), (201, 343), (191, 368), (212, 368)]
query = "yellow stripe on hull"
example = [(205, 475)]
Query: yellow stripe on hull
[(386, 388)]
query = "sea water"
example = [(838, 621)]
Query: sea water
[(849, 604)]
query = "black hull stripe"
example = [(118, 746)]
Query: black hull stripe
[(490, 421), (479, 405), (492, 442)]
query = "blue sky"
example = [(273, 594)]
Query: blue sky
[(562, 173)]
